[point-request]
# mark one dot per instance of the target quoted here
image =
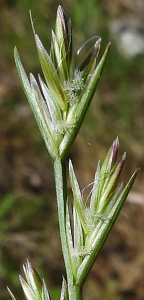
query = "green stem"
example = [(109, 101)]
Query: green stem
[(74, 291)]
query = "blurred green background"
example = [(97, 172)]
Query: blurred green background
[(28, 212)]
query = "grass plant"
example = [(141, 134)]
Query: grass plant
[(59, 101)]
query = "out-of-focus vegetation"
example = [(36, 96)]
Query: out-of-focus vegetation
[(28, 213)]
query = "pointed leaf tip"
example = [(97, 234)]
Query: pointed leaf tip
[(12, 296)]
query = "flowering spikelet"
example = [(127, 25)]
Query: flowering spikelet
[(61, 102), (33, 287), (92, 222)]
